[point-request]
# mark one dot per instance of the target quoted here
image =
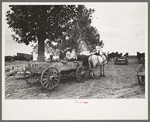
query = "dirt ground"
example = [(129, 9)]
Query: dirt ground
[(120, 82)]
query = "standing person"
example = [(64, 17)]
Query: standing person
[(98, 50), (51, 56), (98, 47)]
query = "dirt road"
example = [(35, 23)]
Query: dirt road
[(120, 82)]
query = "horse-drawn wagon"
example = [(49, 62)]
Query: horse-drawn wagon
[(49, 74), (121, 60), (141, 74)]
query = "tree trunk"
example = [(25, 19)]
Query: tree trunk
[(41, 49)]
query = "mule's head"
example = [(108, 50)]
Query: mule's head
[(106, 55)]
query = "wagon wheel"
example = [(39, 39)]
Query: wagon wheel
[(141, 79), (31, 77), (141, 68), (81, 74), (140, 76), (50, 78)]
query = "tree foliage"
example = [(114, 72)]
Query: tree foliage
[(33, 23), (29, 21), (68, 23), (82, 30)]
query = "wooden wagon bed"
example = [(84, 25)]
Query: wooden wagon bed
[(49, 74), (38, 67)]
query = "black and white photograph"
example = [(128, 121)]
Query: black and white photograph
[(80, 53)]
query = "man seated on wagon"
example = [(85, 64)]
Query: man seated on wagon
[(68, 53), (71, 55), (51, 56)]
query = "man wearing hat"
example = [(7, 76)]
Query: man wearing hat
[(98, 47)]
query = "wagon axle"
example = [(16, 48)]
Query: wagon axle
[(51, 77), (83, 73)]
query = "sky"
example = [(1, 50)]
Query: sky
[(123, 27)]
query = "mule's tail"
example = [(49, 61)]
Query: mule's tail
[(89, 62)]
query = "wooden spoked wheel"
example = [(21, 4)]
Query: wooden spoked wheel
[(50, 78), (31, 77), (81, 74), (141, 75), (141, 79)]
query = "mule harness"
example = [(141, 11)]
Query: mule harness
[(102, 58)]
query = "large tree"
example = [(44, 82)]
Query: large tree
[(81, 30), (32, 23), (65, 24)]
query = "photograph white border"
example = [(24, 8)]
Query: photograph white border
[(103, 109)]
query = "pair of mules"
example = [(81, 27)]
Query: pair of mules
[(93, 61)]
